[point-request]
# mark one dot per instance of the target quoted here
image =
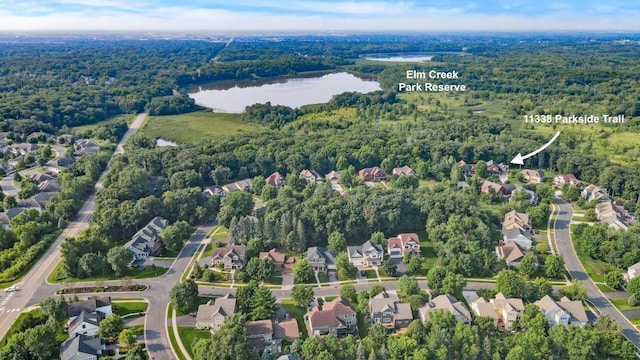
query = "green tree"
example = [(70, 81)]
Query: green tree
[(244, 297), (119, 259), (257, 184), (184, 296), (554, 266), (221, 175), (136, 353), (376, 289), (302, 294), (337, 243), (348, 291), (453, 284), (614, 279), (414, 265), (528, 266), (237, 204), (633, 286), (408, 286), (263, 304), (175, 235), (389, 267), (346, 270), (9, 202), (510, 284), (127, 338), (481, 169), (303, 272), (435, 278), (92, 265), (269, 192), (55, 308), (260, 269), (111, 326), (575, 290)]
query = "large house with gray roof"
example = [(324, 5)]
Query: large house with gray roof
[(82, 347), (147, 241), (387, 310), (369, 254), (214, 313)]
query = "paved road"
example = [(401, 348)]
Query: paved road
[(34, 284), (594, 295)]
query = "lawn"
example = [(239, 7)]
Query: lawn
[(323, 277), (297, 312), (189, 335), (370, 274), (81, 130), (635, 321), (57, 275), (196, 126), (128, 307), (32, 317), (604, 288), (174, 344), (201, 300), (622, 304), (274, 280)]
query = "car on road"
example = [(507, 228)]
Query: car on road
[(11, 289)]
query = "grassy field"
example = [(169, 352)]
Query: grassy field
[(79, 130), (196, 126), (297, 313), (129, 307), (594, 268), (622, 304), (189, 335), (57, 275), (323, 277)]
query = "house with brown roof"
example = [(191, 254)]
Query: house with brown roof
[(372, 174), (511, 253), (402, 244), (335, 318), (310, 176), (215, 312), (563, 312), (269, 334), (609, 213), (403, 171), (276, 180), (368, 254), (514, 219), (467, 169), (532, 176), (494, 168), (446, 303), (387, 310), (570, 179), (506, 312), (503, 189), (280, 260), (231, 257)]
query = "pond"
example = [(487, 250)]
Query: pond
[(295, 92), (163, 142)]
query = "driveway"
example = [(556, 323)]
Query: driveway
[(402, 268), (287, 280)]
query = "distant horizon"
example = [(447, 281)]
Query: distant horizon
[(319, 15)]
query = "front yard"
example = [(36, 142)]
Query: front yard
[(190, 335), (296, 312)]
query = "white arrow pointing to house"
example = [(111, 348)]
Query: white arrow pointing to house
[(519, 159)]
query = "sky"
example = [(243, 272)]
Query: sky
[(322, 15)]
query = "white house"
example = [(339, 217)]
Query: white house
[(563, 312), (633, 271), (369, 254), (146, 242)]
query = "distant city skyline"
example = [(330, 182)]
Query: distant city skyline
[(324, 15)]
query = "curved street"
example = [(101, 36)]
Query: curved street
[(562, 229)]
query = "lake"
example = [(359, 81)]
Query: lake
[(406, 57), (295, 92)]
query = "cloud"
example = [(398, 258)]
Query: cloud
[(374, 15)]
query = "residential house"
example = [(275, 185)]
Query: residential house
[(403, 171), (333, 176), (514, 219), (570, 179), (57, 165), (240, 185), (215, 312), (563, 312), (6, 168), (65, 139), (505, 312), (496, 169), (276, 180), (40, 177), (335, 318), (320, 259), (8, 214), (288, 357), (280, 260), (532, 176), (84, 147), (95, 305), (368, 254), (609, 213), (40, 136), (517, 236), (467, 169), (489, 186), (446, 303), (372, 174), (231, 256), (402, 244), (389, 311), (593, 192), (511, 253), (23, 149), (85, 323), (632, 271), (49, 186), (16, 161), (214, 190), (147, 241), (37, 201), (311, 176), (269, 334), (82, 347)]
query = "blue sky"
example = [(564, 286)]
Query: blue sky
[(371, 15)]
